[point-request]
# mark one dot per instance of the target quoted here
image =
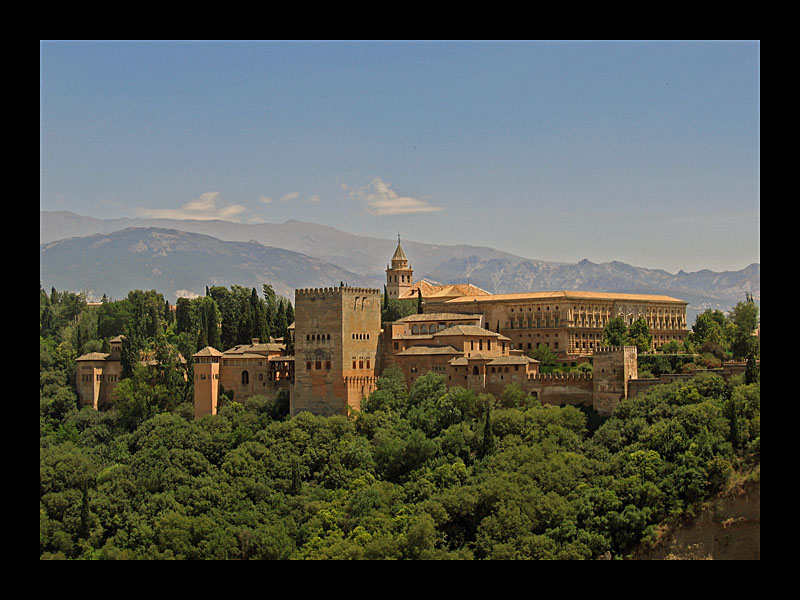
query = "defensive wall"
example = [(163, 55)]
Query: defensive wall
[(561, 388), (642, 386)]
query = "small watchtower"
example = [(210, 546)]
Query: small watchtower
[(399, 274), (206, 381)]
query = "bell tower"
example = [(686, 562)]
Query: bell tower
[(399, 274)]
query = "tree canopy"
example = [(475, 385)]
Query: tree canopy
[(430, 472)]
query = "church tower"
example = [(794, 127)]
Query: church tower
[(398, 276)]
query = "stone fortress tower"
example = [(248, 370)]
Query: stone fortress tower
[(337, 336), (614, 368), (399, 275)]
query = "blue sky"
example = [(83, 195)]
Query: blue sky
[(642, 152)]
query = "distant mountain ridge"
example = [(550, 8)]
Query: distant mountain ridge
[(360, 260), (178, 263), (360, 254)]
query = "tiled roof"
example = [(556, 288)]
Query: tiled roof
[(513, 360), (432, 291), (243, 355), (97, 356), (208, 351), (469, 330), (257, 348), (480, 356), (437, 317), (493, 360), (565, 295), (416, 350), (399, 254)]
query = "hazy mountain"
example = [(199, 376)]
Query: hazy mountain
[(177, 262), (702, 289), (360, 254), (361, 260)]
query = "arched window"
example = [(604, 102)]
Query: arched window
[(245, 377), (414, 329), (475, 370)]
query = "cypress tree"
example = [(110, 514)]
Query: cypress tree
[(385, 298), (751, 374), (280, 321), (488, 439), (419, 301), (289, 313)]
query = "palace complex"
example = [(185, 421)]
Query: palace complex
[(475, 339)]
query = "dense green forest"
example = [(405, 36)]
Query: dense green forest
[(426, 473)]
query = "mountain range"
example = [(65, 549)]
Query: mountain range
[(180, 257)]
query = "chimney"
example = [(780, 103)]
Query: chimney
[(255, 341)]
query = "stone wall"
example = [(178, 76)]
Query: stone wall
[(561, 388)]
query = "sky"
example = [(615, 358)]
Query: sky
[(641, 152)]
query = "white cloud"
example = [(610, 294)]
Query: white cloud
[(203, 208), (314, 199), (381, 200), (265, 199), (290, 196)]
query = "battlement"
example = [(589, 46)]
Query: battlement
[(610, 349), (360, 379), (336, 290), (560, 376)]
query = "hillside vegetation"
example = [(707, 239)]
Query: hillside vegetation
[(426, 473)]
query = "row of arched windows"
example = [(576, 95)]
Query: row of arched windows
[(318, 337)]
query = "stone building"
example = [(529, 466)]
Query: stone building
[(473, 338), (570, 323), (97, 375), (251, 369), (479, 340), (245, 370), (337, 340)]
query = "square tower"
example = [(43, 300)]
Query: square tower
[(613, 367), (337, 332), (206, 381)]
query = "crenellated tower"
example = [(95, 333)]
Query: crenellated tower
[(337, 333), (613, 368), (399, 274)]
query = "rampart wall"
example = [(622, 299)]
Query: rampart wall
[(561, 388)]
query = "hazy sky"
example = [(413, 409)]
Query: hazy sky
[(642, 152)]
